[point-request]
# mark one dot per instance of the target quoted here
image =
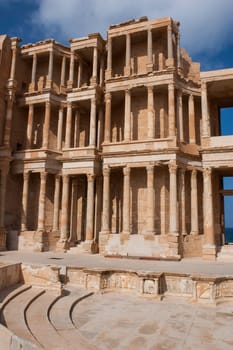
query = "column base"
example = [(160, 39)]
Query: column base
[(40, 241), (108, 74), (93, 80), (32, 87), (170, 62), (124, 236), (103, 240), (174, 244), (49, 84), (90, 246), (127, 71), (70, 84), (194, 233), (149, 67), (2, 239), (209, 252), (62, 246)]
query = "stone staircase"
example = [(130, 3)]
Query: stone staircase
[(43, 319), (226, 253)]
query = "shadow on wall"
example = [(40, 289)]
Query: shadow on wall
[(12, 240)]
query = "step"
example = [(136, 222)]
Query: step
[(60, 317), (40, 326), (14, 313), (11, 292)]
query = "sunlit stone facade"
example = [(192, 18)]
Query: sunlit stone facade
[(112, 145)]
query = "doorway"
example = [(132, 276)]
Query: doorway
[(228, 209)]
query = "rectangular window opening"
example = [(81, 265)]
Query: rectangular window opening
[(226, 121)]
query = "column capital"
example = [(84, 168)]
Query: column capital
[(150, 168), (172, 166), (179, 92), (150, 88), (108, 96), (128, 91), (207, 172), (204, 85), (58, 177), (47, 104), (193, 172), (43, 176), (69, 104), (126, 171), (106, 170), (171, 86), (26, 175), (65, 178), (90, 177)]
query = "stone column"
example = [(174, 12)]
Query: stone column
[(56, 202), (209, 248), (107, 129), (108, 73), (150, 201), (171, 108), (182, 200), (205, 111), (42, 196), (194, 203), (173, 225), (59, 128), (178, 50), (127, 127), (127, 68), (149, 51), (9, 114), (33, 77), (170, 56), (30, 126), (180, 115), (192, 129), (2, 209), (106, 201), (68, 125), (46, 125), (126, 201), (95, 66), (90, 208), (71, 72), (150, 112), (50, 71), (73, 228), (80, 69), (92, 136), (76, 128), (63, 71), (64, 208), (25, 201), (13, 63), (102, 62), (100, 125)]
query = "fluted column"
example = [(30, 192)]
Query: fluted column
[(127, 68), (68, 125), (95, 66), (90, 207), (56, 202), (194, 203), (50, 71), (107, 129), (178, 50), (205, 111), (63, 71), (74, 206), (42, 196), (33, 77), (151, 112), (46, 125), (71, 72), (60, 127), (171, 109), (3, 198), (64, 207), (102, 64), (25, 201), (76, 128), (182, 200), (127, 126), (13, 63), (106, 200), (173, 224), (100, 125), (30, 126), (108, 73), (126, 201), (9, 115), (180, 115), (192, 130), (170, 54), (149, 51), (150, 200), (92, 137), (80, 70)]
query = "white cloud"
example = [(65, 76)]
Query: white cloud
[(205, 24)]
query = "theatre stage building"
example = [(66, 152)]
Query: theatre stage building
[(114, 146)]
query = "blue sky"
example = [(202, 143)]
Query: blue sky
[(206, 26)]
